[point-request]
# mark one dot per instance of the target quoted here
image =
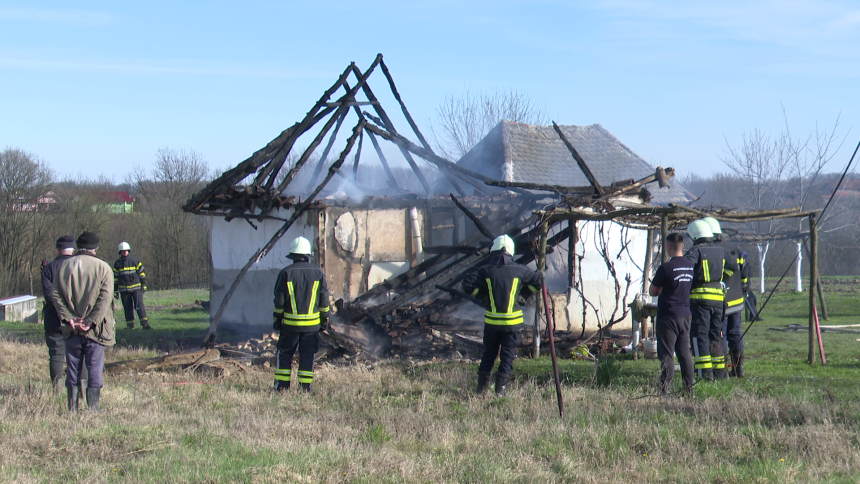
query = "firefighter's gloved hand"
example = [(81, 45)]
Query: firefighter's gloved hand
[(277, 323), (144, 288), (323, 321)]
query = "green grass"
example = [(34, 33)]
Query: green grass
[(786, 422)]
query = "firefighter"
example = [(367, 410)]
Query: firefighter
[(301, 312), (501, 286), (129, 285), (737, 284), (707, 297)]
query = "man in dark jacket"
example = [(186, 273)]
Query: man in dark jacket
[(501, 285), (672, 283), (301, 311), (81, 291), (53, 332), (711, 262), (129, 285)]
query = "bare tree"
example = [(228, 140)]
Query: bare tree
[(463, 120), (24, 182), (177, 242)]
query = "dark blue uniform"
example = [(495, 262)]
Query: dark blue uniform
[(675, 277)]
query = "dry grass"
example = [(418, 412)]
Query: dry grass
[(390, 424)]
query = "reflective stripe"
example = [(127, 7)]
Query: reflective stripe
[(291, 293), (719, 362), (703, 362), (729, 272), (279, 311), (503, 319), (533, 289), (745, 280), (708, 294), (492, 299), (741, 260), (512, 297), (306, 376), (706, 270), (325, 309), (708, 297), (282, 375), (725, 271), (735, 302), (126, 269), (313, 296), (133, 286), (475, 292)]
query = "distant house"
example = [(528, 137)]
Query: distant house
[(117, 202)]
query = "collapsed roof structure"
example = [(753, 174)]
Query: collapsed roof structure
[(394, 259)]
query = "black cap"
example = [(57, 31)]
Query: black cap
[(66, 242), (88, 240)]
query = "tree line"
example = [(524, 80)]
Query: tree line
[(37, 207)]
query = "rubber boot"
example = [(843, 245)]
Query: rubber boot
[(483, 378), (502, 384), (72, 395), (708, 374), (93, 399), (738, 360), (129, 324), (307, 387), (145, 323), (82, 395), (281, 386)]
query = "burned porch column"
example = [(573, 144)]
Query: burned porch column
[(541, 266)]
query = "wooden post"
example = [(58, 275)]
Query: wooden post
[(541, 266), (649, 254), (821, 298), (813, 276), (571, 264), (664, 233)]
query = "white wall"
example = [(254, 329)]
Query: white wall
[(233, 243)]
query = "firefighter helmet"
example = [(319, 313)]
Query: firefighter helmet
[(123, 246), (714, 224), (300, 246), (503, 242), (699, 230)]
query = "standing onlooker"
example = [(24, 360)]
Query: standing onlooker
[(301, 310), (501, 285), (672, 284), (81, 291), (129, 285), (53, 332)]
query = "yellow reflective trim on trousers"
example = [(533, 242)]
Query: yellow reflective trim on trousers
[(475, 292), (282, 375), (512, 298), (703, 362), (492, 300), (706, 270), (719, 362), (306, 376), (291, 293), (735, 302)]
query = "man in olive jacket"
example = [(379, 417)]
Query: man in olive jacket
[(81, 292)]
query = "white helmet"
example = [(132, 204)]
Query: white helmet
[(123, 246), (503, 242), (699, 230), (714, 224), (300, 246)]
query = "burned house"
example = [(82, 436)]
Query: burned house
[(394, 257)]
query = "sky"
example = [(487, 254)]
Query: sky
[(99, 87)]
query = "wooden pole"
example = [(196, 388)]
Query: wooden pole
[(551, 329), (541, 266), (664, 234), (813, 275), (571, 264), (821, 299), (644, 325)]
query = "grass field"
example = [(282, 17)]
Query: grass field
[(391, 422)]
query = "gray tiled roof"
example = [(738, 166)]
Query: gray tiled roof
[(537, 155)]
